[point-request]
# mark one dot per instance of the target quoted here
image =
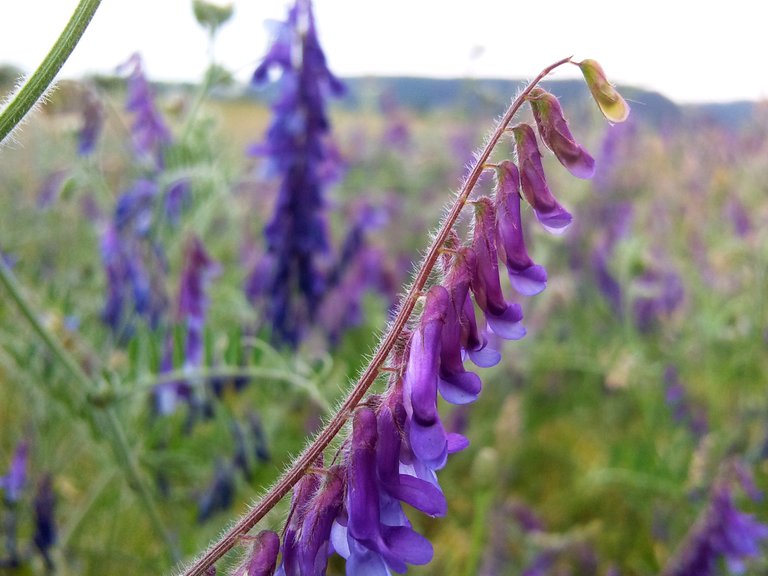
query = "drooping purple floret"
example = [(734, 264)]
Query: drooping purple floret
[(552, 216), (149, 131), (262, 557), (428, 438), (297, 152), (555, 133), (15, 480), (526, 277), (504, 318)]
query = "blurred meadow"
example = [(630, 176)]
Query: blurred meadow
[(598, 438)]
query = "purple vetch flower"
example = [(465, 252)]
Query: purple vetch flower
[(504, 318), (303, 492), (310, 553), (378, 537), (548, 210), (149, 131), (723, 533), (167, 394), (554, 132), (51, 188), (297, 152), (15, 480), (93, 121), (456, 384), (176, 197), (263, 555), (199, 269), (526, 277), (428, 438)]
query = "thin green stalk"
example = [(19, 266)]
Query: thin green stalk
[(42, 78), (105, 419)]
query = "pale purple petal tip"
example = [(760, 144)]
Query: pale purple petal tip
[(485, 357), (530, 281), (508, 325), (457, 443), (429, 443), (461, 388), (555, 222)]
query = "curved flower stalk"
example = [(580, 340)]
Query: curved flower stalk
[(398, 442), (297, 152)]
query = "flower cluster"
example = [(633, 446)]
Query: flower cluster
[(296, 151), (398, 442)]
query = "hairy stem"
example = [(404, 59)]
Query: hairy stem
[(371, 372), (41, 79), (102, 420)]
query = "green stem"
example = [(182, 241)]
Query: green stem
[(105, 420), (42, 78)]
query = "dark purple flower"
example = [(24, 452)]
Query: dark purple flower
[(15, 480), (297, 152), (503, 317), (554, 132), (303, 492), (177, 196), (150, 134), (220, 494), (45, 525), (549, 212), (263, 555), (526, 277)]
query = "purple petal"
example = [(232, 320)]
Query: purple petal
[(508, 325), (457, 443), (460, 388), (529, 281), (485, 357)]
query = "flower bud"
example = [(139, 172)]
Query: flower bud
[(611, 104), (554, 131)]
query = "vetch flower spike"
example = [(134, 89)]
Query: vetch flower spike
[(367, 457), (610, 102), (554, 131)]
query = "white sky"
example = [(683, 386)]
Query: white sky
[(688, 51)]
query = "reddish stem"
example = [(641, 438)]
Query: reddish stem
[(371, 372)]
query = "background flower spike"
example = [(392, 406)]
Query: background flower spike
[(611, 104)]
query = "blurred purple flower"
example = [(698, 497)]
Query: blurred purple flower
[(51, 188), (683, 410), (660, 293), (220, 494), (15, 480), (199, 269), (45, 535), (297, 152), (93, 121), (150, 134), (723, 533)]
